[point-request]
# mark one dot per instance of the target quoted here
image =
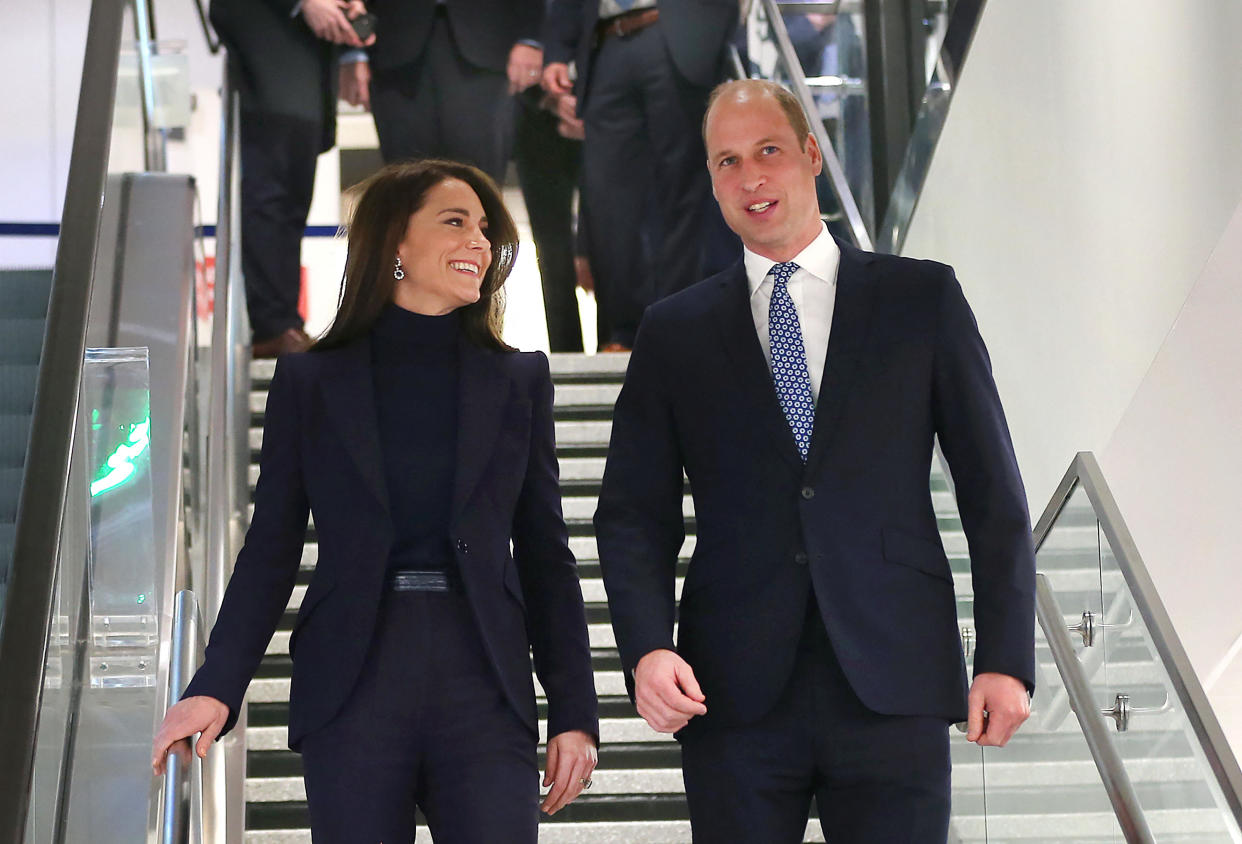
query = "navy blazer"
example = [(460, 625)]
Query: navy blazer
[(321, 454), (905, 362)]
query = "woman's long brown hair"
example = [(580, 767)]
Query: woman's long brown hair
[(385, 204)]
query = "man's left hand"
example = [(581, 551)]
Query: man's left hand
[(571, 759), (524, 68), (998, 705)]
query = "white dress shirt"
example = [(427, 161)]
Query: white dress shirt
[(813, 289)]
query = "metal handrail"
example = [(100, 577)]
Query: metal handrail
[(832, 164), (1108, 761), (227, 425), (960, 30), (153, 138), (175, 820), (1084, 471), (26, 623)]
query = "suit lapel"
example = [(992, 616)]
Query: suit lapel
[(737, 328), (349, 401), (483, 392), (851, 314)]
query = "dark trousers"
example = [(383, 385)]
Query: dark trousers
[(650, 213), (548, 166), (278, 155), (427, 726), (875, 778), (442, 106)]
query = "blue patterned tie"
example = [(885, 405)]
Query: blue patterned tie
[(789, 370)]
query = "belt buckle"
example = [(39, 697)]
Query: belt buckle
[(616, 26)]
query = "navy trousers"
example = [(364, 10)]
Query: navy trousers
[(875, 778), (653, 227), (278, 155), (444, 107), (427, 726)]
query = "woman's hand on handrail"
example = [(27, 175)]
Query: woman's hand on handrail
[(572, 757), (198, 714)]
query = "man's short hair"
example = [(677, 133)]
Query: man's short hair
[(784, 98)]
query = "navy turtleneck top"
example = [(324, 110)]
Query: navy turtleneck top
[(414, 366)]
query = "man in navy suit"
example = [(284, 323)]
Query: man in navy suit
[(800, 391), (644, 69), (439, 78)]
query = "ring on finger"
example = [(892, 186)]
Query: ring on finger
[(586, 782)]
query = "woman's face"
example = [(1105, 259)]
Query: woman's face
[(445, 253)]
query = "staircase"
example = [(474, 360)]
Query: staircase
[(1043, 788), (23, 311)]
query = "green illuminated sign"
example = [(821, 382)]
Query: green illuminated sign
[(119, 466)]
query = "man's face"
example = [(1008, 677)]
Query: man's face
[(762, 177)]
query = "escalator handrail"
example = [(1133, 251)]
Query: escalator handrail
[(27, 619)]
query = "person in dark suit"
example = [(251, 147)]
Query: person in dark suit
[(547, 152), (800, 390), (439, 78), (644, 71), (282, 58), (423, 446)]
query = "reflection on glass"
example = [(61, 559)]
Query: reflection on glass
[(1180, 797), (830, 51)]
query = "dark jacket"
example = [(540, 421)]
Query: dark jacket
[(279, 66), (321, 454), (905, 364), (695, 32), (483, 30)]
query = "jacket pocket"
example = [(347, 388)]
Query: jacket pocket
[(513, 584), (916, 552), (314, 596)]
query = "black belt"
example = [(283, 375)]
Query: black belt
[(412, 580)]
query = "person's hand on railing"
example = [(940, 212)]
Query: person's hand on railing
[(997, 706), (198, 714)]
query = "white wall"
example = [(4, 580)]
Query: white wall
[(1175, 466), (1090, 164)]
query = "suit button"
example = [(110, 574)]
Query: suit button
[(808, 493), (801, 558), (462, 546)]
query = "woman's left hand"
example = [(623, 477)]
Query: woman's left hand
[(571, 759)]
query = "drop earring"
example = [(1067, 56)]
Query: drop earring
[(397, 272)]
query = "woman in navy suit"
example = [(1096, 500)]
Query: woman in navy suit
[(424, 448)]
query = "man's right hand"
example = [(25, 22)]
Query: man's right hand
[(665, 691), (198, 714), (356, 83), (328, 20), (556, 78)]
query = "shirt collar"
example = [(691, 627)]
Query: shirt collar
[(820, 258)]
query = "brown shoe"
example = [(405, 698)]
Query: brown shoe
[(614, 347), (291, 341)]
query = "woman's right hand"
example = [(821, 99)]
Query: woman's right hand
[(198, 714)]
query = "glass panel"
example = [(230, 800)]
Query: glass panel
[(1181, 799), (110, 774), (100, 691), (1044, 786), (58, 681)]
